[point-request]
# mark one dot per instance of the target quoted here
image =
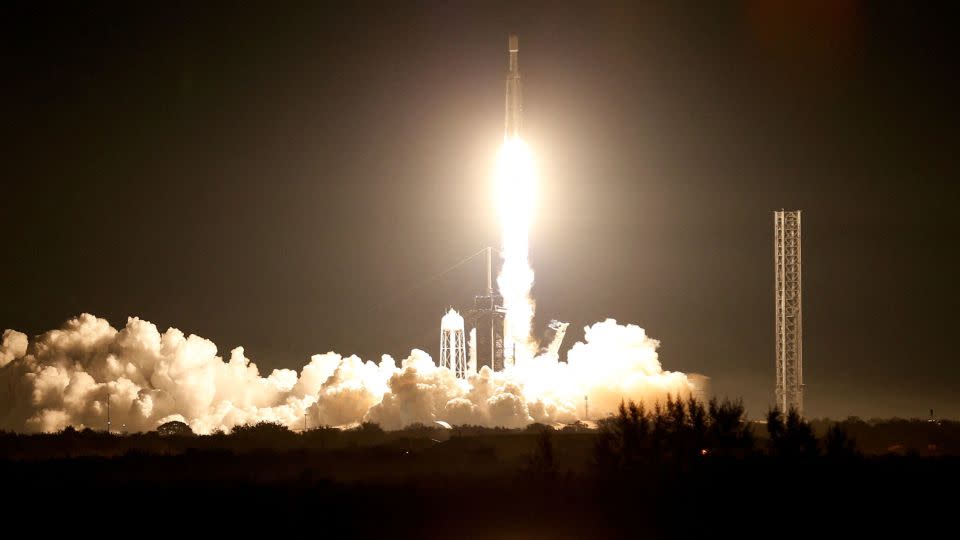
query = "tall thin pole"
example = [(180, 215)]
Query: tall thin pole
[(108, 411), (489, 270), (493, 336)]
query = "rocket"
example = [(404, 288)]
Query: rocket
[(514, 109)]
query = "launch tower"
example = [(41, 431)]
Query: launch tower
[(788, 310), (487, 317)]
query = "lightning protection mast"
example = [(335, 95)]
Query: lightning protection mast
[(788, 310)]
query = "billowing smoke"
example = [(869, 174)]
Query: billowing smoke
[(14, 345), (65, 377)]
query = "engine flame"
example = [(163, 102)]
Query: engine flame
[(516, 198)]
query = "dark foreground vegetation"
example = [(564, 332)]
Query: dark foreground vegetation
[(678, 469)]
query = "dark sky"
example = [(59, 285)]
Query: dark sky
[(291, 178)]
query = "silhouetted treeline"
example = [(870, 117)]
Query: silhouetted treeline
[(897, 435), (637, 433), (671, 469), (680, 430)]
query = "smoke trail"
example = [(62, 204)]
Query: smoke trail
[(65, 377)]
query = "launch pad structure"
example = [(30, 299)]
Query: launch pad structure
[(788, 310), (487, 318)]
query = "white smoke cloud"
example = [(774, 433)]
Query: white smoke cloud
[(64, 377), (13, 346)]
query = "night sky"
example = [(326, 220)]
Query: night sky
[(293, 179)]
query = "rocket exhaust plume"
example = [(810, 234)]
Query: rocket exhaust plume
[(516, 198)]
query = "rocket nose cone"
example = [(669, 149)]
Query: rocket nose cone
[(513, 43)]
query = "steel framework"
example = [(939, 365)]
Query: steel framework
[(453, 352), (789, 310), (487, 318)]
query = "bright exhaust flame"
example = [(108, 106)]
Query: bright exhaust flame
[(516, 198)]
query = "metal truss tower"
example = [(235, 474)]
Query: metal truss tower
[(789, 310), (487, 317), (453, 351)]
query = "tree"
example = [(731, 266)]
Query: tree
[(727, 429), (542, 464), (698, 424), (624, 439), (262, 431), (790, 437), (174, 428), (839, 445), (367, 433)]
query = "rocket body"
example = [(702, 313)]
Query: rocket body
[(514, 109)]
